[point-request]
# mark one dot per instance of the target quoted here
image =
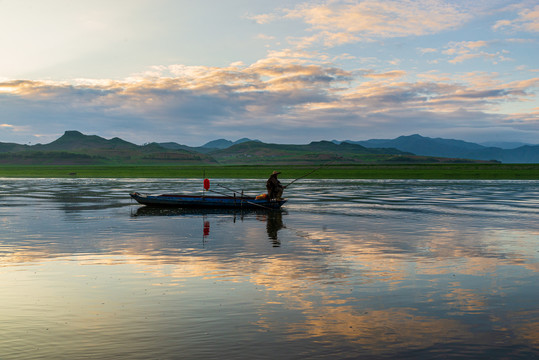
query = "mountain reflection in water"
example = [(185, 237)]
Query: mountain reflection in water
[(370, 269)]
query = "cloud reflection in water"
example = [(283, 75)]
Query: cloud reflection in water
[(384, 279)]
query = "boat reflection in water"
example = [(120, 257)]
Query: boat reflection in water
[(272, 217)]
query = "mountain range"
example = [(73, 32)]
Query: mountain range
[(74, 147), (206, 148), (451, 148)]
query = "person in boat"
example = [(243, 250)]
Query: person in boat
[(274, 187)]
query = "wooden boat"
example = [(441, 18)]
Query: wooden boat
[(203, 201), (198, 211)]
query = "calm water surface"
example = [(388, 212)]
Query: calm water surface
[(350, 269)]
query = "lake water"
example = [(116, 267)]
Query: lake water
[(350, 269)]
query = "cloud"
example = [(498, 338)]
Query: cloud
[(262, 18), (282, 98), (462, 51), (339, 22), (174, 99), (527, 20), (264, 37), (389, 74), (427, 50)]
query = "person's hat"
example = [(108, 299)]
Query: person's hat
[(276, 173)]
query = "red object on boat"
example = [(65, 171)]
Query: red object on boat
[(207, 184)]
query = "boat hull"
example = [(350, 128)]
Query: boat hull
[(206, 201)]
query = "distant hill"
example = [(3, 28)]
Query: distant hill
[(504, 144), (223, 143), (76, 148), (206, 148), (426, 146), (73, 147), (12, 147), (523, 154), (176, 146), (316, 152), (451, 148), (75, 140)]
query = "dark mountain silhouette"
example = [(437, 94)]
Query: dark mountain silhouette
[(253, 152), (75, 140), (12, 147), (451, 148), (523, 154), (504, 144), (206, 148), (426, 146), (75, 147), (176, 146), (223, 143)]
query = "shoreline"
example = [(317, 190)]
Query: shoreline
[(340, 171)]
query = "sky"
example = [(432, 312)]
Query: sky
[(287, 72)]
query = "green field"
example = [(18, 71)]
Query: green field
[(397, 171)]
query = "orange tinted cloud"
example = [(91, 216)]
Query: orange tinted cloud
[(286, 85), (342, 22), (527, 20)]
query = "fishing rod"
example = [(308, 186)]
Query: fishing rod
[(229, 189), (220, 193), (309, 173)]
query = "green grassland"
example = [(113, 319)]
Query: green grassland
[(354, 171)]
